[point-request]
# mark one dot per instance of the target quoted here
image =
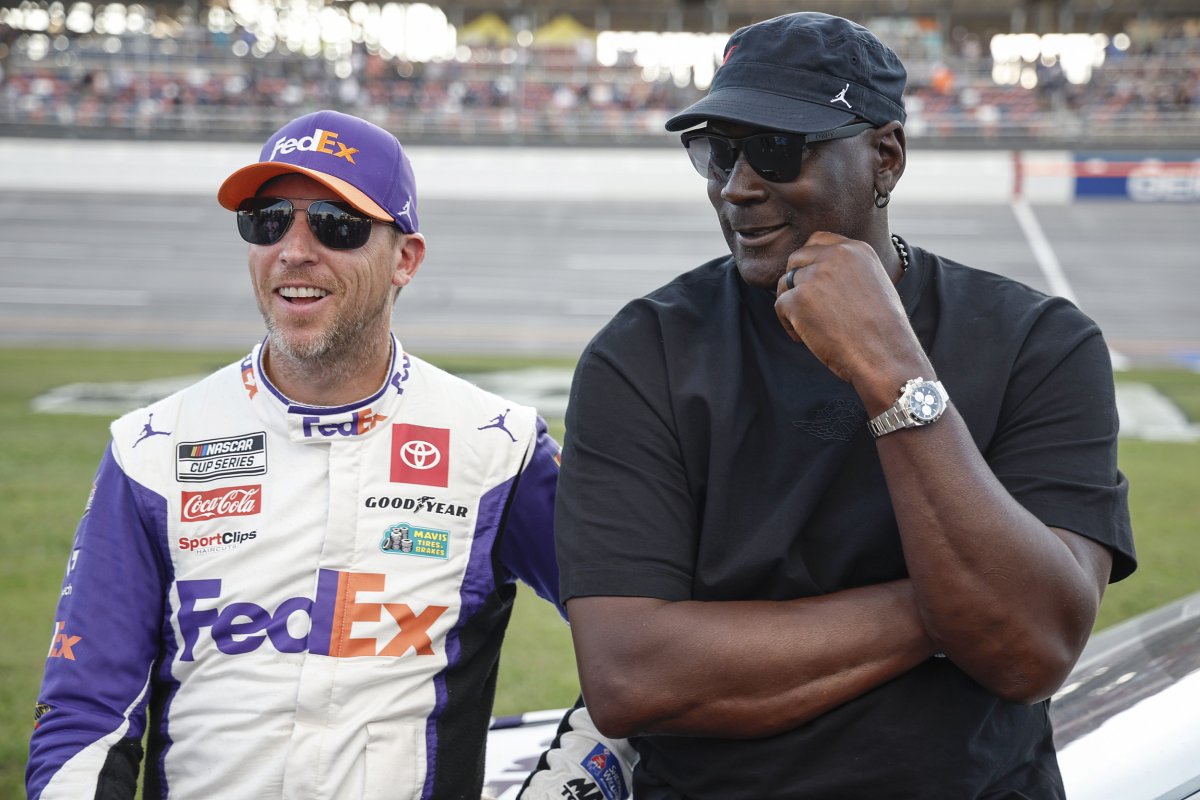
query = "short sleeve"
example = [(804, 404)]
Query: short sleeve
[(1055, 447), (625, 520)]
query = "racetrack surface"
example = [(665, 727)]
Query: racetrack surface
[(539, 269)]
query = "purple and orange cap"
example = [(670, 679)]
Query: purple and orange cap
[(359, 161)]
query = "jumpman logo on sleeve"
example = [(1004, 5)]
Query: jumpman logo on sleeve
[(148, 431), (498, 422)]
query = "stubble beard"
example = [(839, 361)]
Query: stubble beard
[(345, 346), (758, 268)]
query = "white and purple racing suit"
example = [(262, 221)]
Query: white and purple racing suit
[(294, 601)]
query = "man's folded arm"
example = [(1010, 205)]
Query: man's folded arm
[(739, 669)]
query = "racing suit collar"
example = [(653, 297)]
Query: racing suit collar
[(306, 423)]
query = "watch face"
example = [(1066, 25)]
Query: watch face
[(924, 403)]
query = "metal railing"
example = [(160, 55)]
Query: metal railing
[(1053, 130)]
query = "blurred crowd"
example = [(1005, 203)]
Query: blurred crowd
[(446, 97), (202, 85)]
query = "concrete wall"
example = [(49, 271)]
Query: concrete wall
[(506, 173)]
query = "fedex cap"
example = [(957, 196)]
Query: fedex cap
[(803, 73), (359, 161)]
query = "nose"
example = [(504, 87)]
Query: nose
[(744, 184), (298, 245)]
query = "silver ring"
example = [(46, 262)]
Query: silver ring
[(791, 277)]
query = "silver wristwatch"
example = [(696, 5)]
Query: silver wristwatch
[(921, 402)]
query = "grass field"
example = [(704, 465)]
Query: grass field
[(47, 462)]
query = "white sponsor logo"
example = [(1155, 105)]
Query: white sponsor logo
[(237, 501), (319, 142), (420, 455)]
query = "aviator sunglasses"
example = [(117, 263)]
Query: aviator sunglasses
[(775, 156), (337, 225)]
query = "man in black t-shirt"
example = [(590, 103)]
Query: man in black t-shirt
[(835, 514)]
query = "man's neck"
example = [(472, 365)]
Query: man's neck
[(330, 380)]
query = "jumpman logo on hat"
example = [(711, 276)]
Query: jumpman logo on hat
[(841, 97)]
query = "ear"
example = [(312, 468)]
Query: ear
[(890, 151), (410, 252)]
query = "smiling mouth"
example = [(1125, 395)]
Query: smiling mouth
[(751, 235), (301, 294)]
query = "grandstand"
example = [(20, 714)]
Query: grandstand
[(1042, 73)]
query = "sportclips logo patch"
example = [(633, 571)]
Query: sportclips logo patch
[(349, 617), (208, 460), (319, 142), (420, 455), (216, 542)]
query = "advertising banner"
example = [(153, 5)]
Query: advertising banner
[(1140, 177)]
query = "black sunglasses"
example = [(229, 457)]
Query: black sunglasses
[(775, 156), (337, 225)]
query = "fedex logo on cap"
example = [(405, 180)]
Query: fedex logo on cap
[(321, 141), (349, 617)]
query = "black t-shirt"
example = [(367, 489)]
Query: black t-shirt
[(710, 457)]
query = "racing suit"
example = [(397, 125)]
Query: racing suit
[(234, 592)]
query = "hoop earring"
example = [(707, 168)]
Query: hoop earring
[(882, 199)]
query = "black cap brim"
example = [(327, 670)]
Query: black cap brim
[(760, 109)]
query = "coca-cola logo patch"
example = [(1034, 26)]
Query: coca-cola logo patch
[(232, 501)]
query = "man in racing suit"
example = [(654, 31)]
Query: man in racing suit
[(234, 594)]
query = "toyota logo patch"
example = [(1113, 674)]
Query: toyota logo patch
[(420, 455)]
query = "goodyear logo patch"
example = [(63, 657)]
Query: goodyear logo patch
[(405, 539), (211, 459)]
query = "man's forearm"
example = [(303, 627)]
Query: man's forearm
[(1010, 601), (740, 669)]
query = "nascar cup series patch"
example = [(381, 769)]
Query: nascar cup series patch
[(208, 460)]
